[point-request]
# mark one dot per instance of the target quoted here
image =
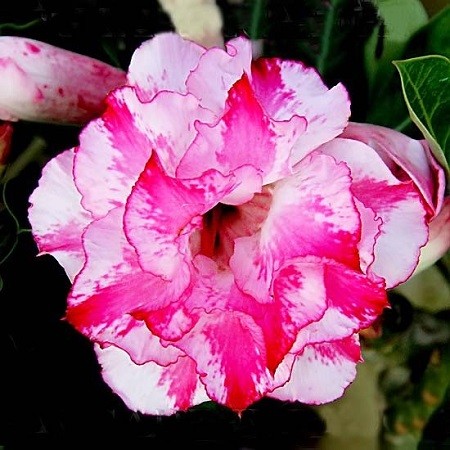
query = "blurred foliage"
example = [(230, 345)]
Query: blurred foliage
[(387, 106)]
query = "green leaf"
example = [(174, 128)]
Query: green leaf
[(426, 89), (400, 20)]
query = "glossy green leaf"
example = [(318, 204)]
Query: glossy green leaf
[(426, 89)]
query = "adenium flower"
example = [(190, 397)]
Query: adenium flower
[(225, 240), (43, 83), (412, 160)]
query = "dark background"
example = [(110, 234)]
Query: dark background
[(51, 391)]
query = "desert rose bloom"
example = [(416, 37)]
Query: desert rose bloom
[(224, 243), (412, 160), (40, 82)]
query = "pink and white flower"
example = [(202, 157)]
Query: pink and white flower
[(43, 83), (225, 240)]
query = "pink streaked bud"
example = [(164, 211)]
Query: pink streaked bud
[(6, 131), (43, 83)]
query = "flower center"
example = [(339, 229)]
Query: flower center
[(223, 224), (213, 226)]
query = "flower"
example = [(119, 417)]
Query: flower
[(412, 160), (225, 240), (43, 83)]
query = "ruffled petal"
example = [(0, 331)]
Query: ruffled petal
[(228, 144), (321, 372), (288, 88), (312, 213), (149, 67), (104, 153), (162, 212), (126, 134), (297, 301), (56, 214), (150, 388), (111, 285), (43, 83), (353, 303), (399, 151), (133, 337), (230, 353), (217, 71), (398, 204)]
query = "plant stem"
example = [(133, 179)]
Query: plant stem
[(30, 154), (326, 37), (18, 27), (255, 25), (401, 126)]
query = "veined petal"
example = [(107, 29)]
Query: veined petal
[(231, 359), (150, 388), (412, 156), (111, 285), (56, 214), (149, 68), (162, 212), (311, 213), (228, 145), (43, 83), (217, 71), (321, 372), (398, 204), (288, 88)]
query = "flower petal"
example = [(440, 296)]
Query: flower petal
[(227, 145), (398, 204), (230, 353), (149, 68), (217, 72), (354, 302), (288, 88), (43, 83), (111, 285), (321, 372), (162, 212), (312, 213), (104, 154), (150, 388), (135, 338), (296, 303), (129, 127), (56, 214), (412, 156)]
